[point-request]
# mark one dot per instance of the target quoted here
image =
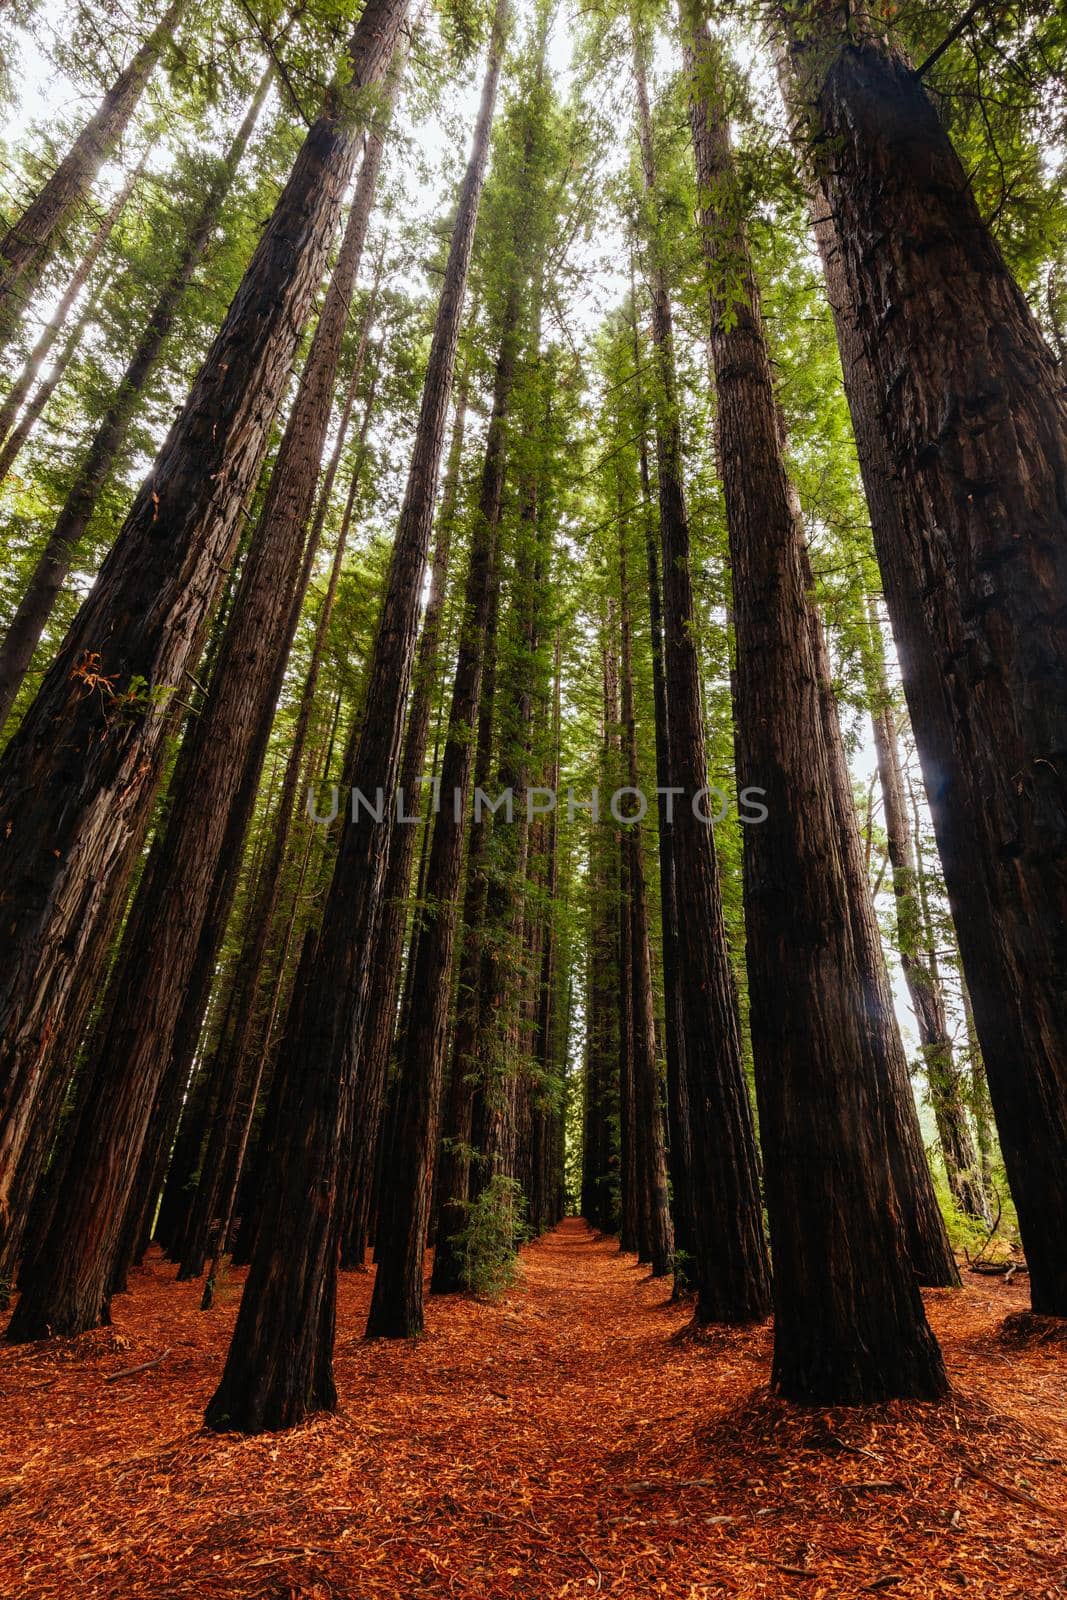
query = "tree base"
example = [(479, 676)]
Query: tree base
[(860, 1377), (240, 1407)]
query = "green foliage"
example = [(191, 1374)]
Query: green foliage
[(968, 1235), (493, 1229)]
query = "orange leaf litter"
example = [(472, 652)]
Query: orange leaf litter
[(563, 1443)]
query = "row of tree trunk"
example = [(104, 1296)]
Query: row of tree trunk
[(961, 429)]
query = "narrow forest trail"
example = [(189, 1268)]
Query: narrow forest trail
[(564, 1442)]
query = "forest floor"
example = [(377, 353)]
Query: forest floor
[(571, 1440)]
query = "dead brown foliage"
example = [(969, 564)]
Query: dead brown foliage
[(562, 1443)]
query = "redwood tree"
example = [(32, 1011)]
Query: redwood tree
[(78, 779), (382, 1004), (947, 372), (651, 1165), (69, 1288), (280, 1362), (849, 1321), (46, 339), (397, 1304), (732, 1270), (31, 240), (61, 548), (919, 960)]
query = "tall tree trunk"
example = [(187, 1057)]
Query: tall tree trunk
[(849, 1320), (78, 779), (30, 242), (280, 1363), (454, 1164), (397, 1303), (979, 1095), (732, 1270), (274, 1099), (502, 974), (245, 1043), (680, 1130), (54, 562), (543, 1051), (46, 389), (244, 1037), (284, 519), (961, 420), (189, 1030), (600, 1188), (233, 1178), (924, 1226), (610, 780), (381, 1007), (52, 329), (651, 1152), (499, 1012), (929, 1248), (69, 1290), (920, 973)]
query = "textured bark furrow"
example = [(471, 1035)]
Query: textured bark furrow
[(961, 423), (221, 775), (78, 779), (849, 1321)]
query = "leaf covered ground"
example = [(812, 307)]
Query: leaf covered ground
[(572, 1440)]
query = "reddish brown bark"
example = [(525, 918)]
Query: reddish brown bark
[(849, 1320), (946, 369), (78, 779), (68, 1291)]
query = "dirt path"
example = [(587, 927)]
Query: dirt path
[(566, 1442)]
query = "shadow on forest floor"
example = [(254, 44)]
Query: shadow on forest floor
[(574, 1439)]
